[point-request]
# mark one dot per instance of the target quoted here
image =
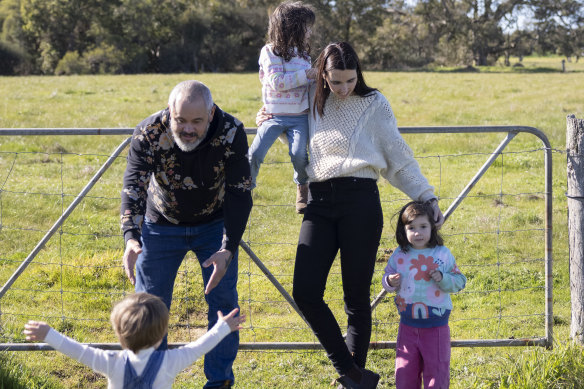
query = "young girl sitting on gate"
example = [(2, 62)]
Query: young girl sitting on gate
[(140, 322), (424, 273), (285, 74)]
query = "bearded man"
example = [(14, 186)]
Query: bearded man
[(187, 187)]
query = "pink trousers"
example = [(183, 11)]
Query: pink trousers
[(422, 353)]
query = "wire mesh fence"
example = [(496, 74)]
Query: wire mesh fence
[(498, 205)]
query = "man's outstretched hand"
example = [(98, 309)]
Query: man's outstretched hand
[(220, 261), (130, 257)]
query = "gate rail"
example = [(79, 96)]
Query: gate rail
[(511, 132)]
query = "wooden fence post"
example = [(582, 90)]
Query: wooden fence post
[(575, 199)]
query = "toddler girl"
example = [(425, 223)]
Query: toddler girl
[(424, 273)]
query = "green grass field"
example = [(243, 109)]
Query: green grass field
[(496, 234)]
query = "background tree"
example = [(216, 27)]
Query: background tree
[(477, 25), (559, 26), (54, 27), (404, 40), (13, 57), (235, 36), (131, 36)]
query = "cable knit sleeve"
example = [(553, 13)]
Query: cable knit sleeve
[(402, 169)]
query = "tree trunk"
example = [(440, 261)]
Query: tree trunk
[(575, 149)]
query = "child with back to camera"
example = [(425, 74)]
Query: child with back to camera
[(140, 322), (424, 273), (285, 74)]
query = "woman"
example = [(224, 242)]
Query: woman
[(353, 139)]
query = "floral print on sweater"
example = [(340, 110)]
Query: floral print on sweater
[(170, 186), (420, 301)]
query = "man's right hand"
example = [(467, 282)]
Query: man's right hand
[(130, 257)]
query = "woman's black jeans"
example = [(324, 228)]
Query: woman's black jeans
[(342, 214)]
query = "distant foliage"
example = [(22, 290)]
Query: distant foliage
[(10, 59), (71, 63), (158, 36), (101, 60), (104, 59)]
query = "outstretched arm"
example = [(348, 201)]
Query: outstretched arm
[(233, 321), (99, 360), (183, 357), (36, 330)]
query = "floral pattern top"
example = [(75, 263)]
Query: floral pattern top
[(420, 301), (170, 186)]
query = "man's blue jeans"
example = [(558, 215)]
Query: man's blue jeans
[(163, 250)]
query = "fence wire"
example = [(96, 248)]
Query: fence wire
[(497, 234)]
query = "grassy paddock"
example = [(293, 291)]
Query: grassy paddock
[(77, 276)]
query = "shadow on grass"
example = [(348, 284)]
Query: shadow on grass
[(482, 69), (510, 69)]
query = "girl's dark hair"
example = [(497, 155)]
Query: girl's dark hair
[(407, 215), (337, 56), (287, 28)]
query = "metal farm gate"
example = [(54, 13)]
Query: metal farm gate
[(509, 133)]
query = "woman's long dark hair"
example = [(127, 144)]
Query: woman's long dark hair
[(407, 215), (287, 28), (337, 56)]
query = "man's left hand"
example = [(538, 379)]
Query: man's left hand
[(220, 261)]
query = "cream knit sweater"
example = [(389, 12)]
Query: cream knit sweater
[(358, 137)]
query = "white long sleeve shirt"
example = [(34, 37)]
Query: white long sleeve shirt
[(112, 363)]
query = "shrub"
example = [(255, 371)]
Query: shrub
[(104, 59), (71, 63), (10, 58)]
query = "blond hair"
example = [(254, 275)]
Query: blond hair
[(140, 320)]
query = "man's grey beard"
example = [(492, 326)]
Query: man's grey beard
[(186, 147)]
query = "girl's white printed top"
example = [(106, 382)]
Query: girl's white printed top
[(420, 301), (284, 84)]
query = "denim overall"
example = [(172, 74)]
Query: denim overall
[(146, 380)]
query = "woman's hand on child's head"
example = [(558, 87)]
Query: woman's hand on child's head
[(36, 330), (233, 321), (436, 275), (311, 73), (438, 216), (262, 116), (394, 280)]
